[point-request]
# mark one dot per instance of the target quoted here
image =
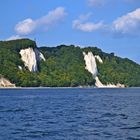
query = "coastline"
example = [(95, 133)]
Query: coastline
[(20, 88)]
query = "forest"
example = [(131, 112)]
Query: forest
[(64, 66)]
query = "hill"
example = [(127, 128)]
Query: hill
[(26, 65)]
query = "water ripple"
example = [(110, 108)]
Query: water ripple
[(70, 114)]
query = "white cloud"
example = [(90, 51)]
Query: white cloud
[(13, 37), (29, 25), (80, 24), (128, 24), (87, 27), (124, 26), (26, 26), (95, 3)]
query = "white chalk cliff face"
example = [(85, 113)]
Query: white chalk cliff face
[(6, 83), (39, 55), (99, 58), (30, 57), (90, 62), (98, 83), (91, 66)]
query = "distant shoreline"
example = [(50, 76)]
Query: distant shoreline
[(2, 88)]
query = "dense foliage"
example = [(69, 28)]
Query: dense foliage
[(64, 66), (117, 70)]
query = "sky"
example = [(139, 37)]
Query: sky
[(112, 25)]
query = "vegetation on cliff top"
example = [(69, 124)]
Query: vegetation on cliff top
[(64, 66)]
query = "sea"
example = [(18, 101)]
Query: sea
[(70, 114)]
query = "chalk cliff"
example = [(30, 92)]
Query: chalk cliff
[(91, 66), (90, 63), (5, 83), (99, 58), (39, 55), (98, 83), (30, 57)]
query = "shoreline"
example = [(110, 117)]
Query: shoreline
[(18, 88)]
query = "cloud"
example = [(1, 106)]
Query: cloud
[(13, 37), (87, 27), (96, 3), (124, 26), (128, 24), (82, 25), (26, 26), (29, 25)]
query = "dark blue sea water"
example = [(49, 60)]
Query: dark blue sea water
[(70, 114)]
